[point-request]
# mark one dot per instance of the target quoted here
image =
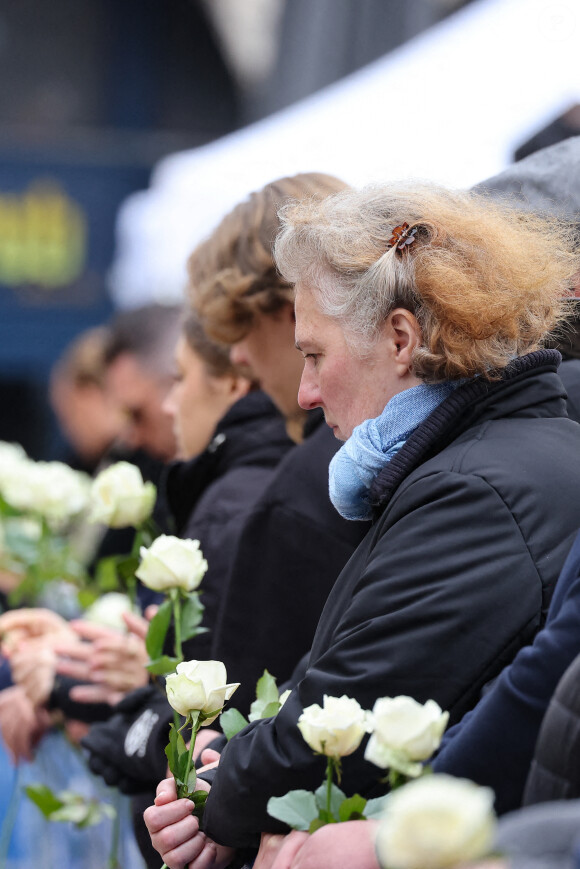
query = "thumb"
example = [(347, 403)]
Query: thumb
[(208, 756)]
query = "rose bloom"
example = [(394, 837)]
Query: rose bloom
[(120, 497), (171, 563), (435, 822), (336, 728), (108, 611), (51, 489), (199, 686), (405, 731)]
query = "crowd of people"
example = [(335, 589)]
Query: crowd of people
[(360, 413)]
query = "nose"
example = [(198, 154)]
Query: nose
[(169, 405), (308, 393)]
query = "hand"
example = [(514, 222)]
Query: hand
[(21, 725), (277, 849), (33, 666), (27, 623), (205, 735), (175, 833), (335, 846), (113, 662)]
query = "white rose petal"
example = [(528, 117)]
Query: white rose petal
[(336, 728), (405, 732), (108, 611), (51, 489), (434, 822), (172, 563), (199, 686), (120, 498)]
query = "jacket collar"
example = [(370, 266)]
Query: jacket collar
[(474, 402)]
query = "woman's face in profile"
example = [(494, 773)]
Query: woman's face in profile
[(348, 388), (197, 401)]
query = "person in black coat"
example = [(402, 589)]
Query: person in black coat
[(420, 314)]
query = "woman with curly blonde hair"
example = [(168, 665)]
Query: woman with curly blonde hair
[(420, 314)]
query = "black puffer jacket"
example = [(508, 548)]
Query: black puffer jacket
[(293, 547), (475, 515), (555, 770), (211, 496)]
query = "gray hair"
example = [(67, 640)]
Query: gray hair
[(484, 281)]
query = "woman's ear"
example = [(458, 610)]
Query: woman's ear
[(406, 337)]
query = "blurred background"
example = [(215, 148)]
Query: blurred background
[(129, 127)]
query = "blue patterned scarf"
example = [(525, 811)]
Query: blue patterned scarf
[(374, 442)]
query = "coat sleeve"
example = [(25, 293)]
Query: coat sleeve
[(494, 743), (433, 608)]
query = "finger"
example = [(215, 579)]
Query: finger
[(75, 669), (207, 766), (151, 611), (210, 756), (89, 630), (95, 694), (136, 624), (206, 858), (186, 850), (76, 650), (157, 818), (290, 849), (167, 786)]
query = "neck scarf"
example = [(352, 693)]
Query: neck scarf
[(374, 442)]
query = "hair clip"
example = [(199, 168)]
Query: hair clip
[(402, 236)]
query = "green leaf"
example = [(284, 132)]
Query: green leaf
[(231, 722), (163, 665), (44, 798), (126, 567), (157, 630), (337, 797), (176, 753), (352, 809), (316, 824), (297, 809), (191, 780), (376, 807), (191, 616), (266, 694), (199, 799)]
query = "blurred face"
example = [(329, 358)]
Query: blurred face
[(197, 401), (350, 389), (268, 351), (140, 395), (87, 417)]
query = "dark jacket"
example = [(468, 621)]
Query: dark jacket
[(293, 547), (555, 770), (494, 743), (211, 496), (475, 516)]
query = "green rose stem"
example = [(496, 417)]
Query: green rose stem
[(196, 719), (332, 766), (396, 779), (10, 819), (176, 602)]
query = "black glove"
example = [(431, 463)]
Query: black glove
[(128, 751), (86, 712)]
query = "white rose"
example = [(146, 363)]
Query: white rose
[(434, 822), (171, 563), (199, 686), (11, 455), (404, 732), (51, 489), (120, 497), (108, 611), (336, 728)]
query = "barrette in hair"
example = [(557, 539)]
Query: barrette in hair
[(402, 236)]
